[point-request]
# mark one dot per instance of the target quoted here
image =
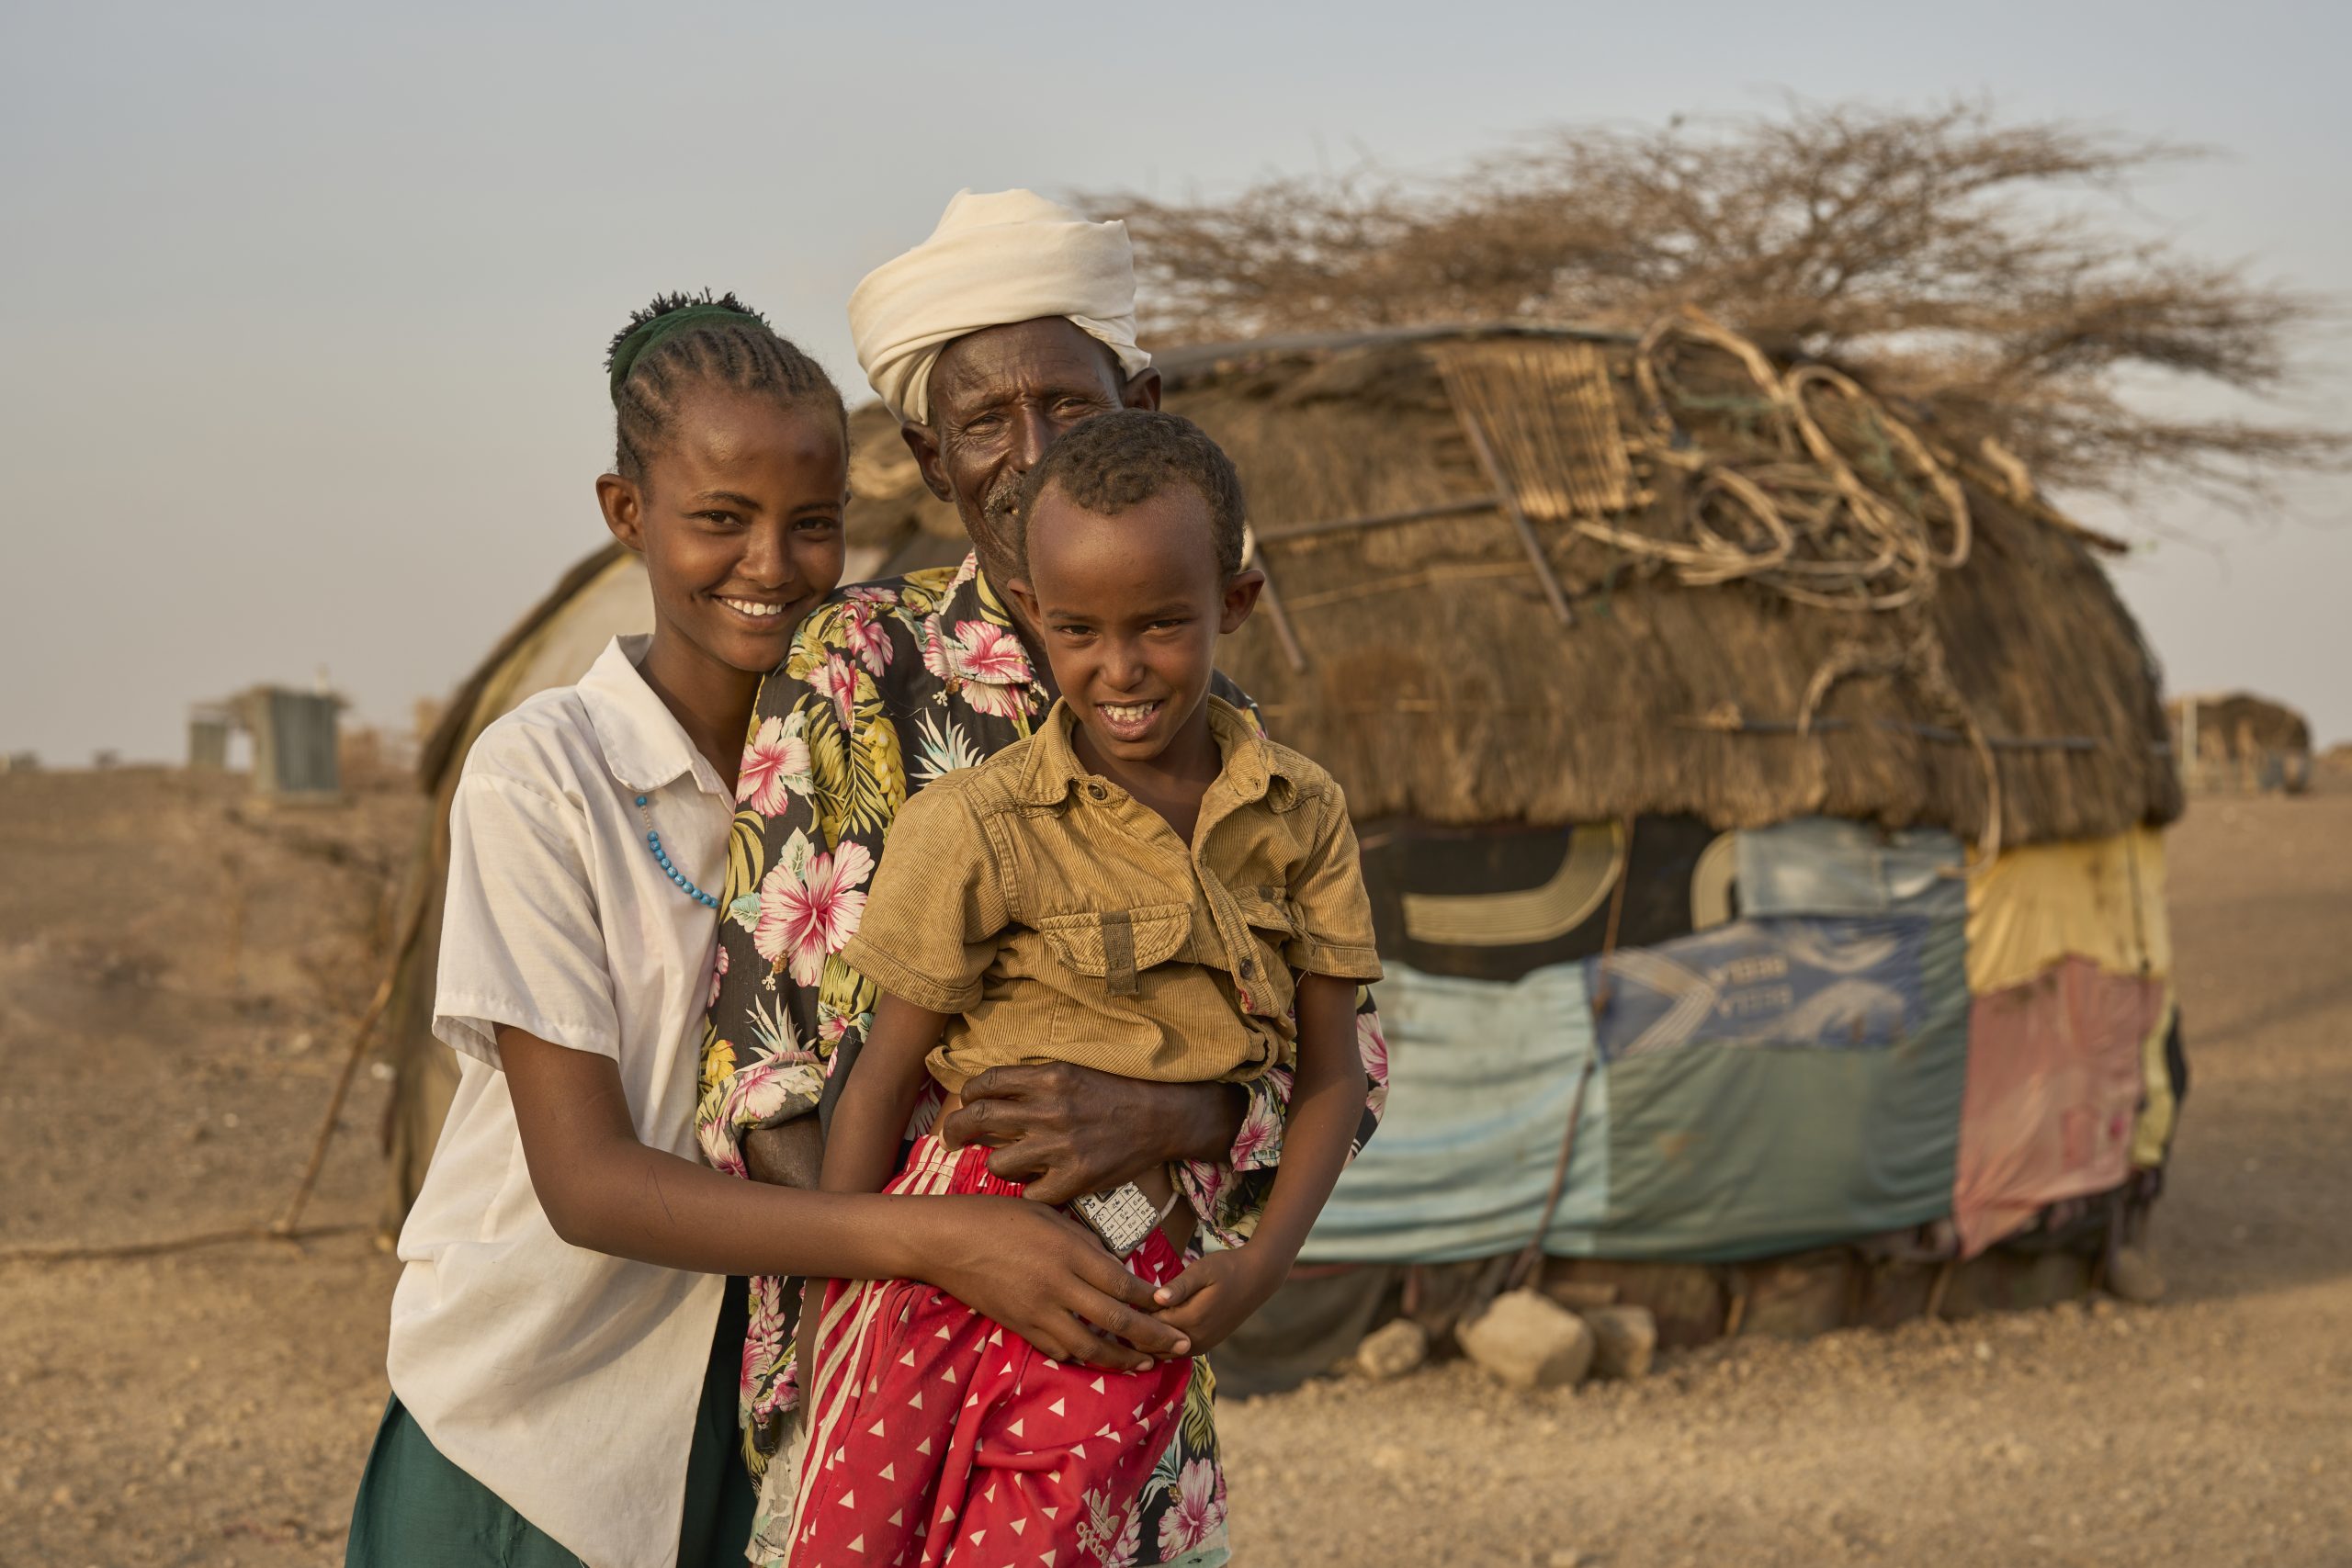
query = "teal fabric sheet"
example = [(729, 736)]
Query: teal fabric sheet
[(1721, 1149), (1481, 1076)]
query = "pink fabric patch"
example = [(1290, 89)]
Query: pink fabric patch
[(2053, 1084)]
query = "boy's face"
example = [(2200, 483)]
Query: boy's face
[(1129, 609)]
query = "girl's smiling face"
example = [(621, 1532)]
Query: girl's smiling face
[(738, 515)]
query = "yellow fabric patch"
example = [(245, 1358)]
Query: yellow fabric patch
[(2097, 898)]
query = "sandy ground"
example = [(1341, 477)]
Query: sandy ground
[(163, 1061)]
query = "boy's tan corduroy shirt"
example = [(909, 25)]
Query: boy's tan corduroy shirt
[(1062, 920)]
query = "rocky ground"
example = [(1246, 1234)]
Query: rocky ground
[(176, 973)]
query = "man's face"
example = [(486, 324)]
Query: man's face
[(999, 398)]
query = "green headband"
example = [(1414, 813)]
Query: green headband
[(645, 334)]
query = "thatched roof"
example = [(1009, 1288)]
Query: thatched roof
[(1426, 660), (2232, 724)]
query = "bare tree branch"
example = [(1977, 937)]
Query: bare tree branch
[(1983, 270)]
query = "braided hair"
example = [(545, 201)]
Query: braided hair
[(681, 341)]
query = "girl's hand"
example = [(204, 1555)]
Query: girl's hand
[(1043, 1276), (1208, 1301)]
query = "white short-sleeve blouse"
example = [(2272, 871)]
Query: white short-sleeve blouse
[(564, 1380)]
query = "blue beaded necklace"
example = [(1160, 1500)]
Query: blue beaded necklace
[(661, 856)]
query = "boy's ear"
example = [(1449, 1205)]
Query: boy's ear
[(624, 508), (1241, 591)]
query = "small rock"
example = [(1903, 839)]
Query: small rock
[(2132, 1275), (1527, 1341), (1393, 1350), (62, 1498), (1625, 1340), (1581, 1295), (1565, 1557)]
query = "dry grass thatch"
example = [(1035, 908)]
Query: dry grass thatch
[(1722, 560)]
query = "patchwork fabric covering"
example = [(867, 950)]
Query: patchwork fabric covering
[(1820, 1061)]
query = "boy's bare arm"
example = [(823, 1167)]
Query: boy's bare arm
[(1212, 1298), (870, 1121)]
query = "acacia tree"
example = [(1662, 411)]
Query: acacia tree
[(1991, 275)]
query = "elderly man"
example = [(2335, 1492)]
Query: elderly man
[(1013, 323)]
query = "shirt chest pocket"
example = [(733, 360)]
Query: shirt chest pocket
[(1115, 945)]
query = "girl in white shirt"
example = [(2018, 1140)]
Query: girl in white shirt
[(565, 1344)]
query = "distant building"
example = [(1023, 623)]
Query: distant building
[(209, 727), (2238, 743)]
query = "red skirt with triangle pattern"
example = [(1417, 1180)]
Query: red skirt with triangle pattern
[(939, 1435)]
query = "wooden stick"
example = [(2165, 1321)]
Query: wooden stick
[(1283, 632), (1384, 519), (1545, 575), (77, 1254), (284, 1225)]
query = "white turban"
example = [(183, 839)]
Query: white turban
[(996, 259)]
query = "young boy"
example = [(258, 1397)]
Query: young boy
[(1145, 885)]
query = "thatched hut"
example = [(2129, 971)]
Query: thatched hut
[(2238, 743), (1761, 805)]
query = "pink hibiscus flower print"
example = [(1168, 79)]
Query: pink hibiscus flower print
[(935, 649), (717, 975), (776, 766), (867, 638), (1259, 1141), (880, 593), (804, 918), (836, 681), (986, 651), (1198, 1511)]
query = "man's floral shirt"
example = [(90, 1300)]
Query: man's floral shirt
[(889, 686)]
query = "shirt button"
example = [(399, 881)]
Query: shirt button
[(1097, 792)]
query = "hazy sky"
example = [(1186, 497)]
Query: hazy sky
[(304, 306)]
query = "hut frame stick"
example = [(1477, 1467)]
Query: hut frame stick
[(1550, 580), (360, 1036), (1897, 727), (1284, 633), (1385, 519), (1530, 1262)]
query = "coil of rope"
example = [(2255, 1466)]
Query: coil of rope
[(1818, 532)]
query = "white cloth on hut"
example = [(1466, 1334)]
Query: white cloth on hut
[(995, 259)]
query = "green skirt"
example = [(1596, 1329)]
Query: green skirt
[(415, 1507)]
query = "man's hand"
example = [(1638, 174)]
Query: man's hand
[(1216, 1297), (1067, 1130)]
